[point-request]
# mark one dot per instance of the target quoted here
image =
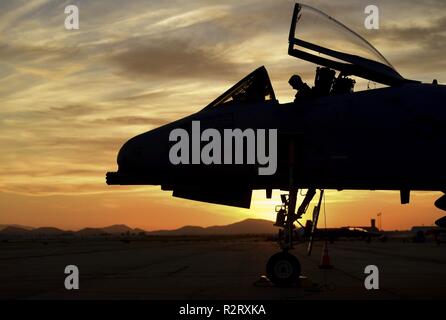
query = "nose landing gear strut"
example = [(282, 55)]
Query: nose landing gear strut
[(283, 268)]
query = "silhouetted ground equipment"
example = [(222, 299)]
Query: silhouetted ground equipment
[(325, 258)]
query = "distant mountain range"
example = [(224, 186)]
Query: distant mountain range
[(248, 226), (3, 226)]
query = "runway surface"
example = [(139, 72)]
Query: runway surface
[(225, 268)]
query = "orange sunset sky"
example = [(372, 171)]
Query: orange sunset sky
[(70, 99)]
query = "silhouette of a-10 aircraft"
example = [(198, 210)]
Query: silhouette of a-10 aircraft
[(388, 138)]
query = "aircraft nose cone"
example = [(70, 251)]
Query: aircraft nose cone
[(123, 161), (128, 165), (128, 156), (143, 159)]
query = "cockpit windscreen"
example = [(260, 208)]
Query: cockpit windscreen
[(255, 87)]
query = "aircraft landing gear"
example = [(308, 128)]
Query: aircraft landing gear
[(283, 268)]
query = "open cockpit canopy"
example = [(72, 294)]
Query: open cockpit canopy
[(318, 38)]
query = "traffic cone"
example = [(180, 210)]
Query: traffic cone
[(325, 258)]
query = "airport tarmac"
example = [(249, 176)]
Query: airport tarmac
[(220, 268)]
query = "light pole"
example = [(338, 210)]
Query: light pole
[(379, 215)]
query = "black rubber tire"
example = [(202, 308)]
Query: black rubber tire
[(283, 269)]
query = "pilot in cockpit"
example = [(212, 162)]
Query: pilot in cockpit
[(303, 90)]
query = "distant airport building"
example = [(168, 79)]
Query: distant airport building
[(371, 228), (424, 229)]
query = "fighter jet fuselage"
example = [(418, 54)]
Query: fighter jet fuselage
[(384, 139)]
